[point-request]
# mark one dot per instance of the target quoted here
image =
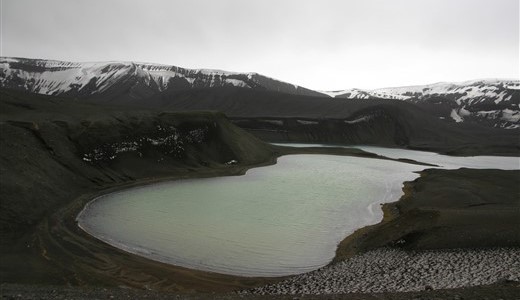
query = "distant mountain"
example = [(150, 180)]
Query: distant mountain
[(138, 80), (494, 102)]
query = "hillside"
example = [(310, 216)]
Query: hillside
[(109, 80), (59, 147), (278, 117), (281, 117), (492, 102)]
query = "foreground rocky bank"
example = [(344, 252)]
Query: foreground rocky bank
[(393, 270), (502, 290)]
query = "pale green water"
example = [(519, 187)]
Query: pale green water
[(443, 161), (273, 221)]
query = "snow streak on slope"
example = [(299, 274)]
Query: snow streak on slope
[(491, 101), (352, 94), (466, 90), (89, 79), (56, 78)]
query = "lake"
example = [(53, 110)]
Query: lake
[(274, 221), (443, 161)]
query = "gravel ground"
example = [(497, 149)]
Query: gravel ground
[(384, 274), (392, 270), (503, 291)]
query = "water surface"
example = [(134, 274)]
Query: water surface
[(443, 161), (277, 220)]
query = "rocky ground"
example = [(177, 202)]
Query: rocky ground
[(394, 270), (503, 290)]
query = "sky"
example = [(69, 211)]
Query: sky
[(318, 44)]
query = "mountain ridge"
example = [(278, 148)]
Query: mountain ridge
[(490, 102), (54, 77), (495, 102)]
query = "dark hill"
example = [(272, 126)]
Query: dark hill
[(279, 117), (58, 148)]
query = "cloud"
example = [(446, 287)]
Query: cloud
[(329, 44)]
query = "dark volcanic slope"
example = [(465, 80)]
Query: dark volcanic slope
[(290, 118), (51, 148), (279, 117), (56, 155)]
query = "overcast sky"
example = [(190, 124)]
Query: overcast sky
[(319, 44)]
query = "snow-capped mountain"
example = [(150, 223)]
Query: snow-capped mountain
[(495, 102), (105, 79)]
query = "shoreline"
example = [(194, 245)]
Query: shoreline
[(323, 246), (65, 220), (431, 215), (348, 247), (191, 280), (425, 243)]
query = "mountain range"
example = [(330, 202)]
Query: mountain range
[(105, 79), (492, 102)]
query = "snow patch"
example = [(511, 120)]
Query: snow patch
[(359, 120), (456, 116), (236, 82), (464, 113), (304, 122), (274, 122), (513, 126), (510, 115), (332, 94)]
